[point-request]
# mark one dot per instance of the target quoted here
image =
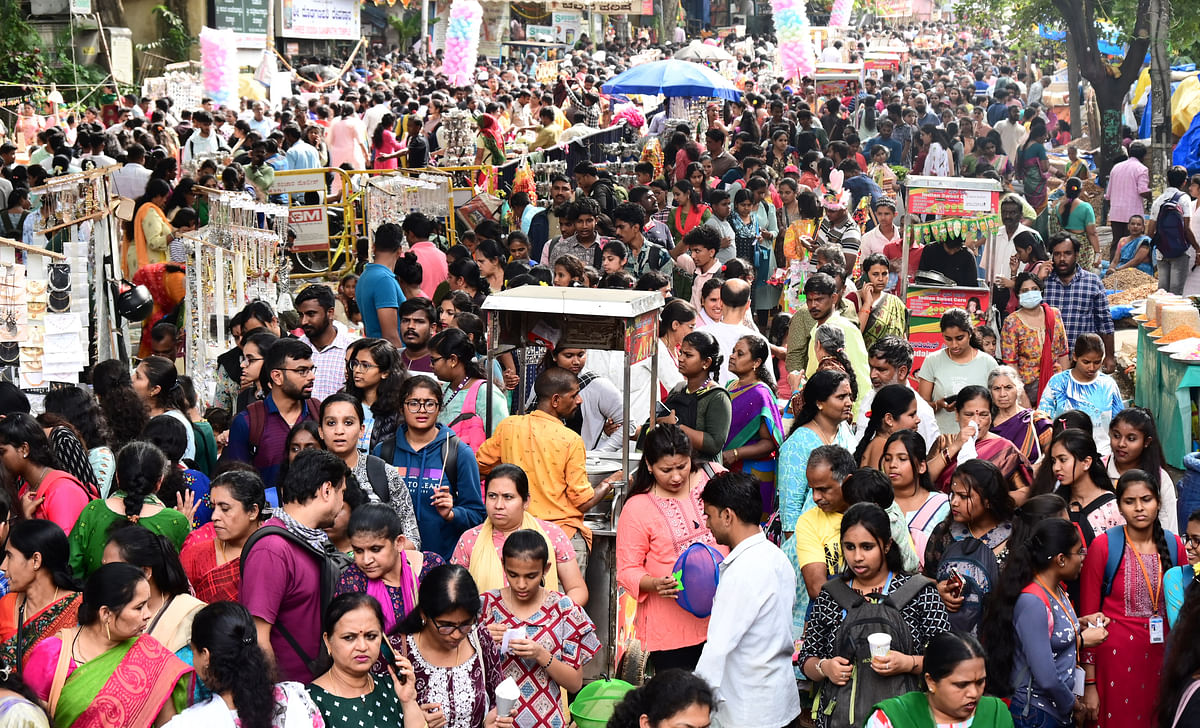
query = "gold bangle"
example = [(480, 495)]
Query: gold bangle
[(735, 457)]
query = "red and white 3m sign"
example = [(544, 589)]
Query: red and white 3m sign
[(311, 226)]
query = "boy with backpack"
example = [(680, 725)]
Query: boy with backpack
[(1170, 230), (290, 568)]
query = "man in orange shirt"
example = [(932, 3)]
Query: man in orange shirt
[(552, 455)]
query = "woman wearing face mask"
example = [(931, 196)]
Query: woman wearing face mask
[(1031, 629), (556, 635), (113, 673), (662, 517), (1026, 428), (1033, 339), (341, 430), (1084, 387), (872, 567), (455, 661), (1135, 445), (948, 370), (955, 678), (1131, 597)]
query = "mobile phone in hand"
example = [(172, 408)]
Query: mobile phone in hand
[(955, 582)]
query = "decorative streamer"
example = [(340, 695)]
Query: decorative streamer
[(839, 16), (218, 59), (462, 41), (795, 43)]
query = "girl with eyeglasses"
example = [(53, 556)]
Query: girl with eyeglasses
[(439, 469), (374, 374), (1178, 581), (341, 429), (455, 662)]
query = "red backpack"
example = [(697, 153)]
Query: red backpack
[(469, 425)]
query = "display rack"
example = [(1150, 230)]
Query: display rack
[(216, 290), (389, 197)]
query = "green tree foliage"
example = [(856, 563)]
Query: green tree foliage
[(175, 42)]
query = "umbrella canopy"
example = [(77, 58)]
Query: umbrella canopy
[(700, 51), (673, 78)]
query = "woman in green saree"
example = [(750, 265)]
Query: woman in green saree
[(879, 313), (756, 427), (106, 673), (44, 597)]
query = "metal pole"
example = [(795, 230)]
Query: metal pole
[(424, 29)]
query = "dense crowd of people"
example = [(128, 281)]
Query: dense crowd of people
[(364, 525)]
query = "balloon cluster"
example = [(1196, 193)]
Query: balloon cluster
[(795, 43), (218, 59), (462, 40), (839, 16)]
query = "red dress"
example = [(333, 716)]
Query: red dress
[(211, 582), (1127, 665)]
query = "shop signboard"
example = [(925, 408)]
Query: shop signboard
[(320, 19), (926, 306), (950, 202)]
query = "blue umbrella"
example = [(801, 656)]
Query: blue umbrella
[(673, 78)]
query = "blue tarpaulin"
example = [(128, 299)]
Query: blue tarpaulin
[(1187, 152), (1106, 46)]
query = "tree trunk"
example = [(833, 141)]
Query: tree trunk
[(1110, 83), (1160, 94), (1073, 91)]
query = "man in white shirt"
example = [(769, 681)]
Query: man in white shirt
[(1173, 271), (259, 122), (890, 361), (130, 180), (748, 656), (1012, 132), (374, 115), (205, 141), (735, 305)]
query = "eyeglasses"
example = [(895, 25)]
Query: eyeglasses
[(421, 405), (302, 371), (1192, 541), (435, 359), (356, 364), (248, 360), (449, 628)]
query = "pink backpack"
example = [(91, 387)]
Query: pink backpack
[(469, 425)]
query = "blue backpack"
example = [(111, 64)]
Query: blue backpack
[(1116, 551)]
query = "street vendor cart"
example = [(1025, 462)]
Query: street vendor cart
[(531, 317), (938, 208)]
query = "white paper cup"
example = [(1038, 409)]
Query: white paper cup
[(507, 694), (880, 643)]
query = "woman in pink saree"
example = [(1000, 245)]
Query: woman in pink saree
[(107, 673)]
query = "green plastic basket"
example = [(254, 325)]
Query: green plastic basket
[(594, 705)]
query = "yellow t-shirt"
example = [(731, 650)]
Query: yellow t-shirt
[(819, 540)]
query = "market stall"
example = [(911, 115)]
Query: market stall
[(938, 208), (1167, 381), (531, 319), (240, 256)]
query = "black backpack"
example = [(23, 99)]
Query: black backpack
[(851, 704), (1170, 235), (976, 564), (387, 454), (332, 563)]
